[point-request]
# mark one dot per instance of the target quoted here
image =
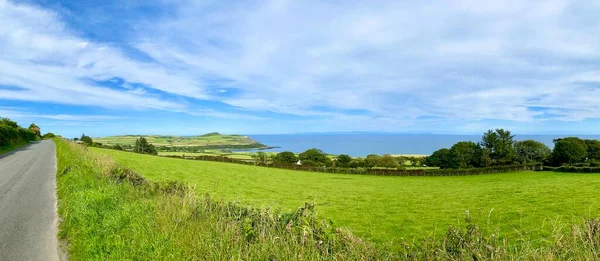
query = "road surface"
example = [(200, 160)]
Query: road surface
[(28, 221)]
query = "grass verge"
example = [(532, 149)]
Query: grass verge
[(6, 149), (111, 213)]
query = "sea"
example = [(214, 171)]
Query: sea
[(360, 145)]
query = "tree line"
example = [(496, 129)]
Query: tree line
[(141, 145), (11, 134), (317, 158), (498, 148)]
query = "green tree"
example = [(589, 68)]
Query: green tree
[(315, 155), (440, 158), (142, 146), (286, 158), (260, 157), (531, 151), (499, 142), (387, 161), (35, 130), (48, 135), (463, 154), (343, 161), (593, 149), (569, 150), (372, 160), (482, 157), (86, 140), (357, 163)]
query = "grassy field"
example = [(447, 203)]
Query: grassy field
[(107, 213), (516, 206), (207, 140)]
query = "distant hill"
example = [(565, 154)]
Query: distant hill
[(213, 140)]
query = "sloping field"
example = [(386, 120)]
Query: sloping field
[(207, 140), (524, 205)]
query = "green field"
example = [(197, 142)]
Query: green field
[(207, 140), (524, 205)]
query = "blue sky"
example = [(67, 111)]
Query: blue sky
[(261, 67)]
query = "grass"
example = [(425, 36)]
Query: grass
[(6, 149), (523, 206), (236, 155), (213, 139), (110, 213)]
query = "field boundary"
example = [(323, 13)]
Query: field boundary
[(375, 172)]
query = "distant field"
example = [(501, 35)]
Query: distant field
[(240, 156), (523, 205), (208, 140)]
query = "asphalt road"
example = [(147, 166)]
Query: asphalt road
[(28, 220)]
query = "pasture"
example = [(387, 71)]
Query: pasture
[(207, 140), (515, 206)]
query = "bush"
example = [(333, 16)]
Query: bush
[(11, 134), (572, 169)]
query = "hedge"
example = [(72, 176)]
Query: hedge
[(572, 169), (377, 172)]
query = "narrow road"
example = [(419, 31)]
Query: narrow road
[(28, 220)]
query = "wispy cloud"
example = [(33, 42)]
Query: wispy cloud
[(459, 64)]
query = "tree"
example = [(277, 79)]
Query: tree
[(482, 157), (387, 161), (531, 151), (260, 157), (463, 154), (569, 150), (286, 158), (315, 155), (48, 135), (142, 146), (35, 130), (357, 163), (593, 149), (86, 139), (343, 161), (371, 161), (499, 142), (440, 158)]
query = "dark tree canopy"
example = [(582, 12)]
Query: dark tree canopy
[(569, 150), (463, 154), (531, 151), (387, 161), (86, 139), (314, 155), (372, 160), (343, 161), (593, 149), (440, 158), (142, 146), (499, 142), (286, 158)]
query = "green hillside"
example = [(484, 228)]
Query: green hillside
[(209, 141)]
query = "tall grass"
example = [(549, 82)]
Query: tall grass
[(112, 213)]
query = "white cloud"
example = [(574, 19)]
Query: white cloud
[(15, 114), (461, 61), (456, 59)]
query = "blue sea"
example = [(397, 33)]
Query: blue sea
[(364, 144)]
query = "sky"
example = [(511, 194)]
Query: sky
[(189, 67)]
